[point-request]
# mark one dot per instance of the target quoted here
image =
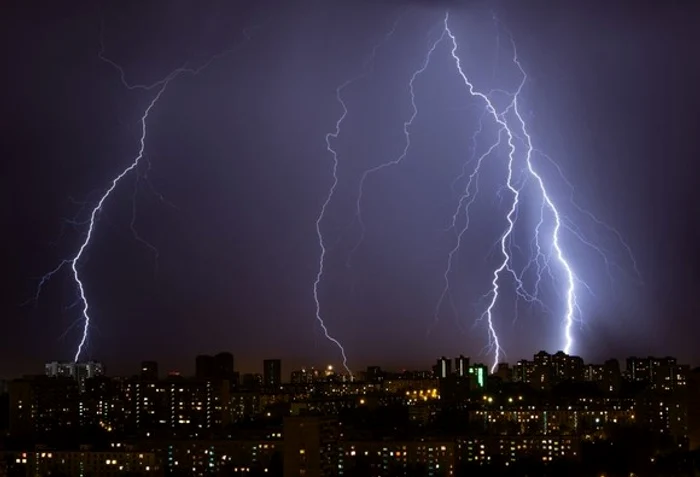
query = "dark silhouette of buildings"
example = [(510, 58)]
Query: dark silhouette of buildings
[(272, 373), (551, 412), (219, 366), (149, 370)]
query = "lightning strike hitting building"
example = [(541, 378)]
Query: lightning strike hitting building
[(510, 143), (510, 120), (511, 134)]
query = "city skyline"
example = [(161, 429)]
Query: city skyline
[(553, 414), (273, 371), (233, 180)]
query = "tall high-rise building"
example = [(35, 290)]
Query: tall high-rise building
[(462, 366), (205, 367), (223, 364), (566, 367), (639, 369), (594, 373), (251, 381), (219, 366), (310, 446), (659, 373), (272, 373), (305, 376), (543, 359), (149, 370), (78, 371), (44, 404), (524, 371), (612, 377), (503, 372), (89, 369), (477, 375), (443, 369), (374, 374)]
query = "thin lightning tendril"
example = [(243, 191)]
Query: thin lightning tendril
[(465, 202), (475, 146), (407, 144), (159, 86), (541, 258), (516, 180), (132, 226), (322, 213), (367, 69)]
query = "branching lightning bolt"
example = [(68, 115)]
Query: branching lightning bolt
[(75, 261), (547, 252), (366, 70), (570, 277), (518, 133), (514, 184), (407, 144), (471, 189), (319, 233), (159, 86), (494, 341)]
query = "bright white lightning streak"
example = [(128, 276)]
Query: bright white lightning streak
[(571, 302), (74, 262), (494, 341), (540, 259), (407, 145), (160, 86), (571, 227), (465, 202)]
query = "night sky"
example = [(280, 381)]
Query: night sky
[(236, 170)]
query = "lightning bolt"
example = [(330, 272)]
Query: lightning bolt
[(570, 277), (132, 225), (407, 144), (467, 198), (319, 219), (521, 168), (514, 186), (367, 69), (74, 263), (498, 117)]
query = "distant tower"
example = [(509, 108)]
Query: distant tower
[(504, 372), (374, 374), (78, 371), (462, 366), (272, 373), (443, 368), (307, 444), (477, 375), (204, 366), (149, 370), (223, 363), (89, 369)]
